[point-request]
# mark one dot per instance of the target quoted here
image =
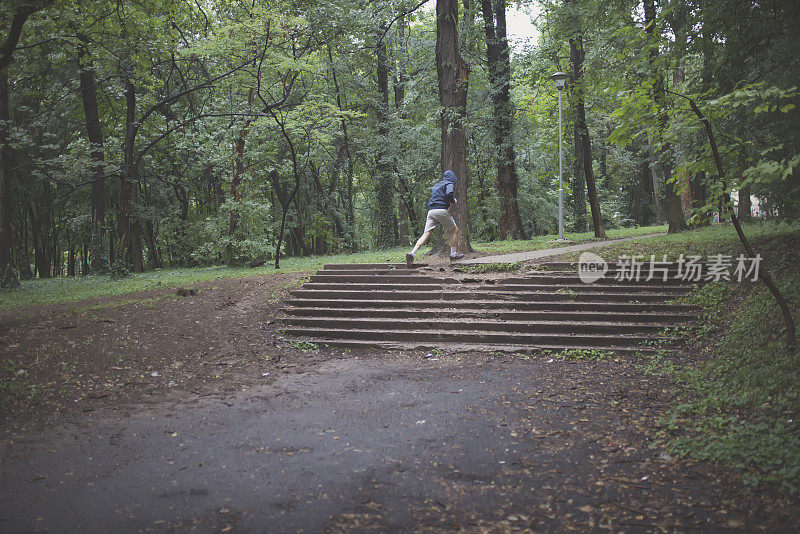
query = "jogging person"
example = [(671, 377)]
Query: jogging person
[(441, 200)]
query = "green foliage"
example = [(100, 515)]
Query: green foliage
[(251, 240)]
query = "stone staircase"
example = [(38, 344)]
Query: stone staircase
[(370, 305)]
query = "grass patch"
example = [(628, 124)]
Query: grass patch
[(578, 354), (490, 267)]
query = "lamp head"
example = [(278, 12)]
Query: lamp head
[(559, 79)]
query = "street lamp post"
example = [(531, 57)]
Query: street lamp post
[(560, 80)]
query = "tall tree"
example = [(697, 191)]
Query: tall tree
[(577, 56), (88, 87), (384, 183), (8, 277), (675, 217), (453, 76), (499, 63)]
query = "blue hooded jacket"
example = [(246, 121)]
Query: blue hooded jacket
[(442, 192)]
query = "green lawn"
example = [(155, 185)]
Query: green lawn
[(716, 239), (55, 290)]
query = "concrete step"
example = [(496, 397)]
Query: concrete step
[(670, 291), (375, 286), (371, 272), (454, 285), (369, 266), (460, 336), (661, 318), (564, 277), (444, 322), (465, 347), (358, 277), (484, 294), (537, 281), (600, 307)]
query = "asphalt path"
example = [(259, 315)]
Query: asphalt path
[(396, 445)]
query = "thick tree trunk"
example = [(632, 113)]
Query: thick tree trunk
[(577, 55), (95, 134), (453, 76), (497, 55)]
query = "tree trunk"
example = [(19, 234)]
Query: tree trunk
[(743, 211), (8, 276), (653, 166), (581, 223), (71, 260), (577, 55), (153, 258), (453, 75), (675, 217), (238, 174), (84, 258), (698, 187), (40, 224), (95, 135), (127, 181), (384, 183), (497, 55), (349, 212)]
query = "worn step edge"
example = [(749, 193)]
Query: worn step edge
[(497, 304), (476, 347), (428, 286), (672, 319), (481, 337), (479, 294), (345, 266), (526, 327)]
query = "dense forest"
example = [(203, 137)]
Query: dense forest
[(146, 134)]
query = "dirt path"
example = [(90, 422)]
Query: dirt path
[(344, 442)]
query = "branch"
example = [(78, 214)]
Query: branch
[(14, 33), (391, 22), (172, 98), (791, 336), (140, 154)]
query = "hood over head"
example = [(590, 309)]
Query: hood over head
[(450, 176)]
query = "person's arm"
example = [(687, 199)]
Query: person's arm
[(448, 194)]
